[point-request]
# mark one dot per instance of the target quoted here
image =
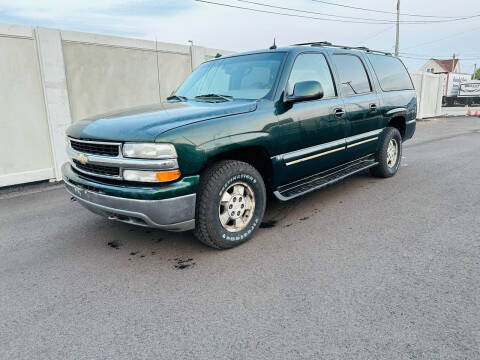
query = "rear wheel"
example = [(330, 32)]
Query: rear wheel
[(231, 202), (389, 154)]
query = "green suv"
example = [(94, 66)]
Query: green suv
[(284, 120)]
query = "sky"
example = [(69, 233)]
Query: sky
[(235, 29)]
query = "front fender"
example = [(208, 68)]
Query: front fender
[(233, 142)]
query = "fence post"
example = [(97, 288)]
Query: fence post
[(198, 55), (421, 105), (438, 110), (52, 68)]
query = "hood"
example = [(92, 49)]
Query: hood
[(146, 123)]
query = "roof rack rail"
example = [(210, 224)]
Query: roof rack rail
[(329, 44)]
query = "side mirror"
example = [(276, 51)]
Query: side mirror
[(305, 90)]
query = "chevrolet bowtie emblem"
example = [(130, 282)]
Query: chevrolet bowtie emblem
[(82, 159)]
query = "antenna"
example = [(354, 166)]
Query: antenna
[(274, 46)]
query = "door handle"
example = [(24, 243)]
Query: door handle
[(373, 107), (339, 112)]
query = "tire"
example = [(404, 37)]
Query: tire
[(220, 195), (386, 166)]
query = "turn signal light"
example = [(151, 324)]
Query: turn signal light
[(171, 175)]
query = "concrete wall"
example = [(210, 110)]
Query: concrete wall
[(101, 79), (25, 153), (51, 78), (106, 73)]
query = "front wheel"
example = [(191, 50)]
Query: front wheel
[(231, 201), (389, 154)]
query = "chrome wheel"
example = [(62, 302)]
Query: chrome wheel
[(236, 207), (392, 153)]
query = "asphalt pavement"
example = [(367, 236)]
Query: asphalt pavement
[(365, 269)]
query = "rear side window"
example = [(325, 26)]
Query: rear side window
[(312, 67), (391, 73), (353, 76)]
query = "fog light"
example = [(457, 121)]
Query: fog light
[(151, 176)]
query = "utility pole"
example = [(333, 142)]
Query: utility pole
[(453, 63), (398, 28)]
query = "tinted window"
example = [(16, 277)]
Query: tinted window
[(391, 73), (309, 67), (353, 76)]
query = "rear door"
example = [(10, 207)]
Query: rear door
[(363, 118), (313, 131)]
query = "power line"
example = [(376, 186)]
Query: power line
[(384, 11), (318, 13), (323, 19), (379, 22), (430, 58), (288, 14), (444, 38), (376, 34), (308, 12), (470, 55)]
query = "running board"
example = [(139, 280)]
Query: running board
[(315, 182)]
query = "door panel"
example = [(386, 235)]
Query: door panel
[(313, 138), (363, 124), (363, 118)]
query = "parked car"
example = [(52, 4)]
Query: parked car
[(283, 120)]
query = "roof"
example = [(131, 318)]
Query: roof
[(298, 48), (447, 65)]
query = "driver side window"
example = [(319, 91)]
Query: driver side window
[(308, 67)]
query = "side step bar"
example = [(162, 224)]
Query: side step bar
[(315, 182)]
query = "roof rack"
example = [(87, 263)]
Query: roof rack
[(329, 44)]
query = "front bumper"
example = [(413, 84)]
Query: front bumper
[(173, 214)]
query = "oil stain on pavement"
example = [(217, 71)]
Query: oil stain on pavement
[(114, 244), (181, 264)]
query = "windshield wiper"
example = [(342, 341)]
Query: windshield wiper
[(177, 97), (214, 97)]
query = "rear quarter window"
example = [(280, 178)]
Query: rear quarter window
[(391, 73)]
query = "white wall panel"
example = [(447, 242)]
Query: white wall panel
[(103, 79), (25, 153)]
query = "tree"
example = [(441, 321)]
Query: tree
[(477, 74)]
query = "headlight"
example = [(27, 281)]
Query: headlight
[(149, 151), (151, 176)]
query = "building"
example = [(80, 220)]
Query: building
[(437, 66)]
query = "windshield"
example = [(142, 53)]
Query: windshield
[(239, 77)]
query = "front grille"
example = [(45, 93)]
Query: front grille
[(95, 148), (98, 169)]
